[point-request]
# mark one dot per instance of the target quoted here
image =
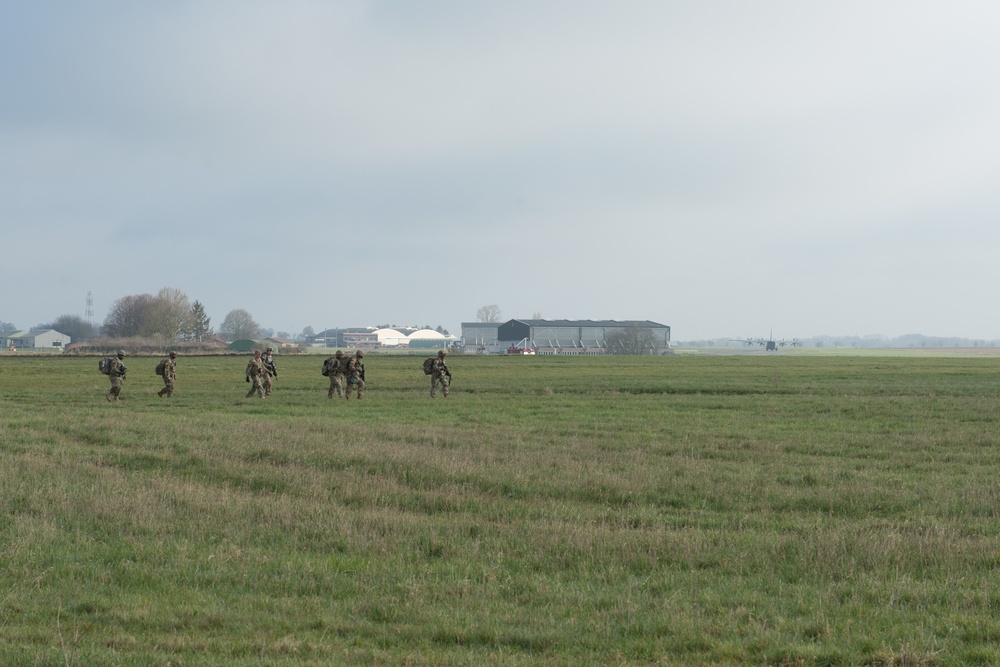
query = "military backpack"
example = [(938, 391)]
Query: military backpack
[(104, 365), (429, 365)]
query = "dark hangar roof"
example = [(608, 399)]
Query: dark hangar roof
[(571, 323)]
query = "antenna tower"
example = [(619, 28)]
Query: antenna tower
[(89, 314)]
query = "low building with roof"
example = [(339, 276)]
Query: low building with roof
[(555, 336), (42, 339), (277, 341)]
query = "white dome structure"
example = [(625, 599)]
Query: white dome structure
[(391, 338), (425, 334), (426, 338)]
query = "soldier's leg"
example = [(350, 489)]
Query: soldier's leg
[(361, 388), (445, 382), (434, 386)]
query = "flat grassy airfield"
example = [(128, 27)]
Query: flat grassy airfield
[(787, 509)]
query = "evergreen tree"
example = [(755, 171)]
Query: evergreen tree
[(199, 325)]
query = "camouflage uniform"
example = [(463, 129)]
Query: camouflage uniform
[(270, 370), (117, 376), (356, 373), (335, 364), (169, 376), (440, 375), (255, 370)]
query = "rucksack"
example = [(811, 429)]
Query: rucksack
[(161, 367), (104, 365), (328, 366), (429, 365)]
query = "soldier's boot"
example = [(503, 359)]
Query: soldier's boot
[(108, 396)]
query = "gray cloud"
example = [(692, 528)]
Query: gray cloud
[(722, 167)]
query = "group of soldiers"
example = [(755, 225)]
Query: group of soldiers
[(346, 373), (349, 371), (260, 370)]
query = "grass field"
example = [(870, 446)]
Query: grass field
[(732, 510)]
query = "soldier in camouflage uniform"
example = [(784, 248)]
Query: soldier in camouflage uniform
[(255, 370), (117, 375), (335, 370), (169, 375), (440, 375), (270, 370), (356, 373)]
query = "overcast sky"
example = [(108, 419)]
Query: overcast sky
[(726, 168)]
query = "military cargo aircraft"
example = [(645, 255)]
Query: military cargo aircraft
[(768, 344)]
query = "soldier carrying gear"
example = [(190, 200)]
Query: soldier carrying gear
[(335, 368), (255, 369), (270, 370), (117, 374), (440, 375), (168, 369), (356, 373)]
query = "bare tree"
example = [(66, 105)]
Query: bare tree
[(634, 340), (489, 314), (74, 326), (126, 317), (168, 315), (239, 324)]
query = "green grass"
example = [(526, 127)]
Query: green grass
[(760, 510)]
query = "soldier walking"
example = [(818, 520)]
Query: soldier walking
[(117, 375), (356, 373), (169, 368), (440, 375), (335, 368), (270, 370), (255, 370)]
